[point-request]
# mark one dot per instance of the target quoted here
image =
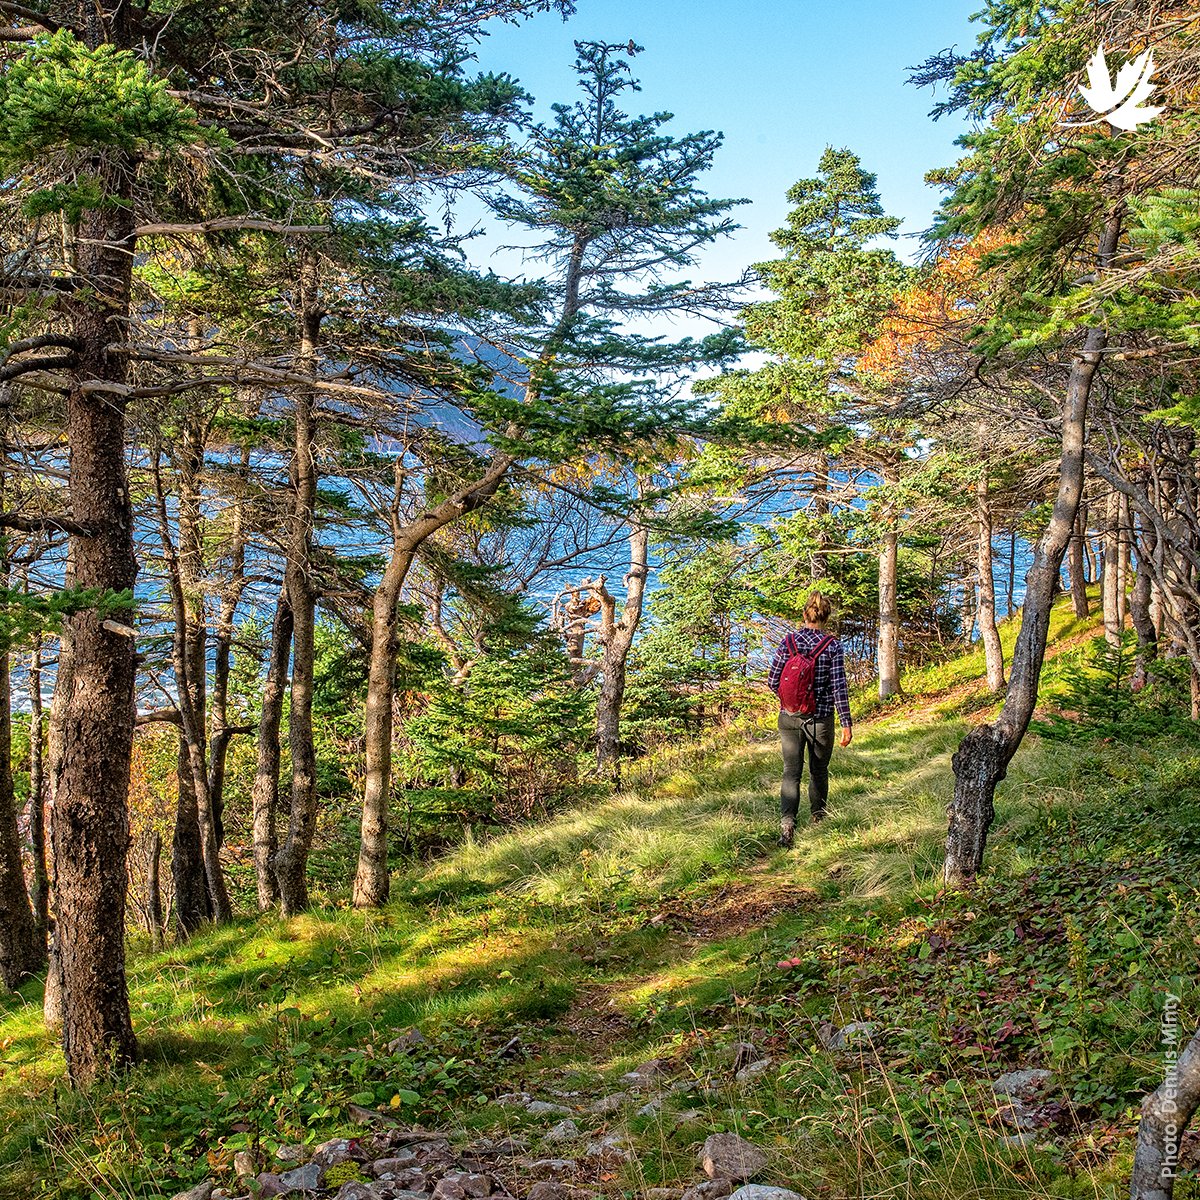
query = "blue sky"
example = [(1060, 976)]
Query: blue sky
[(781, 79)]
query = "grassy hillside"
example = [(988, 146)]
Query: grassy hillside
[(664, 923)]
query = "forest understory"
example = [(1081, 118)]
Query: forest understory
[(661, 924)]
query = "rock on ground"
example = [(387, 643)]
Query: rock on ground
[(202, 1191), (728, 1156), (759, 1191), (709, 1189), (857, 1033), (1023, 1085)]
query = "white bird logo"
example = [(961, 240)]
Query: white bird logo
[(1120, 102)]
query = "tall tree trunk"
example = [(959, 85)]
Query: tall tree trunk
[(889, 612), (291, 859), (1141, 598), (192, 903), (220, 733), (22, 951), (993, 650), (371, 880), (1166, 1112), (984, 754), (265, 794), (155, 925), (616, 656), (40, 890), (91, 785), (184, 571), (1111, 590), (1012, 573), (1077, 566)]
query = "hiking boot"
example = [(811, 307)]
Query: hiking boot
[(787, 832), (818, 817)]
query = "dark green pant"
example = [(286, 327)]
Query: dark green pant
[(798, 734)]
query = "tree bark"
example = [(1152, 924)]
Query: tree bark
[(40, 890), (371, 880), (265, 794), (22, 951), (1077, 567), (91, 815), (1141, 598), (992, 648), (1166, 1113), (220, 734), (184, 572), (984, 754), (154, 910), (1110, 590), (192, 904), (291, 859), (616, 656), (889, 612)]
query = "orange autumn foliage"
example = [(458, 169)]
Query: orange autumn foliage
[(932, 312)]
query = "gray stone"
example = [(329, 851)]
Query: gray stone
[(759, 1191), (614, 1145), (244, 1164), (303, 1179), (456, 1185), (686, 1118), (857, 1034), (1016, 1114), (358, 1191), (1024, 1085), (270, 1184), (202, 1191), (370, 1116), (607, 1105), (513, 1100), (338, 1150), (740, 1053), (543, 1108), (727, 1156), (406, 1041), (751, 1071), (651, 1108), (709, 1189), (292, 1154), (553, 1167), (399, 1161), (545, 1190), (661, 1193), (1027, 1138), (564, 1131)]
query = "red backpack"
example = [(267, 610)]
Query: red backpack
[(797, 684)]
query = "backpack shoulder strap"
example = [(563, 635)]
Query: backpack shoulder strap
[(827, 640)]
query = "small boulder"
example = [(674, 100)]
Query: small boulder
[(202, 1191), (751, 1071), (406, 1041), (553, 1167), (270, 1184), (543, 1108), (709, 1189), (759, 1191), (303, 1179), (1027, 1085), (614, 1145), (728, 1156), (358, 1191), (290, 1154), (564, 1131), (338, 1150), (545, 1190), (651, 1108), (461, 1185), (244, 1164), (860, 1034), (401, 1160), (607, 1105), (513, 1100)]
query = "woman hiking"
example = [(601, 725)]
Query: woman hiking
[(808, 674)]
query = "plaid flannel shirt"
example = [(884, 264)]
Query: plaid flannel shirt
[(829, 677)]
